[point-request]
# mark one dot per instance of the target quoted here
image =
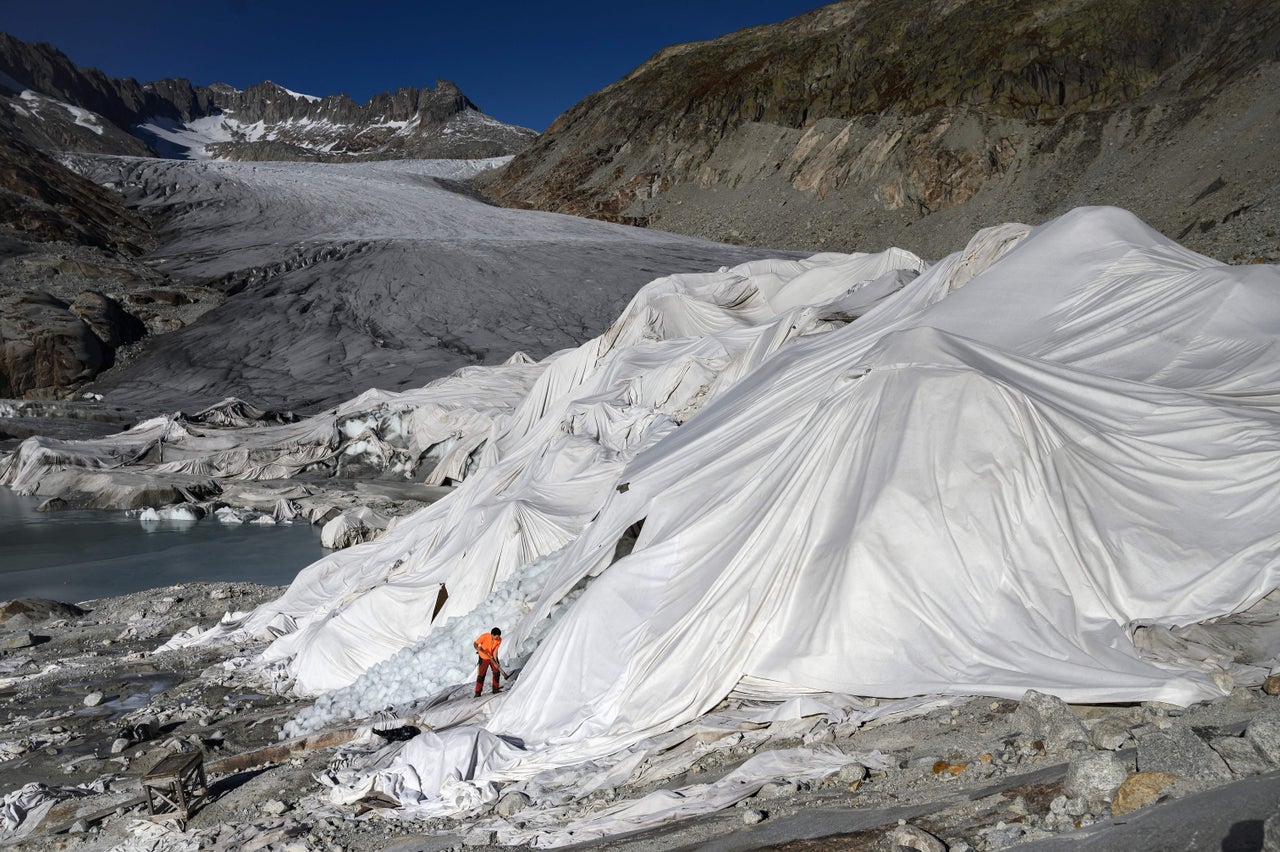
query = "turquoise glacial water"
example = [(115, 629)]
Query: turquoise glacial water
[(77, 555)]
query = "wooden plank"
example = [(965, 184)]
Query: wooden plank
[(99, 815), (281, 752)]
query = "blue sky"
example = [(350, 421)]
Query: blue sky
[(522, 62)]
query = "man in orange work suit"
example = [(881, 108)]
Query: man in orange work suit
[(487, 647)]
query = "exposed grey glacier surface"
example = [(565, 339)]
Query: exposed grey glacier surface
[(345, 277)]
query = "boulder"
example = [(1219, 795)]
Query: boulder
[(113, 325), (38, 609), (1140, 790), (163, 296), (19, 623), (19, 639), (1264, 733), (1241, 757), (1001, 835), (850, 773), (1271, 834), (512, 803), (910, 837), (777, 789), (1095, 776), (1049, 719), (1179, 751), (274, 807), (1111, 733)]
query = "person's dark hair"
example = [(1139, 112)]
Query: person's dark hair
[(496, 632)]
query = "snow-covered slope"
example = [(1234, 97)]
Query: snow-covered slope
[(55, 122)]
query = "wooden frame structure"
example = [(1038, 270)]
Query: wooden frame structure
[(176, 785)]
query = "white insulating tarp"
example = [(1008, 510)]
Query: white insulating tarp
[(548, 829), (552, 464), (23, 808), (430, 433), (977, 480), (432, 765), (981, 493)]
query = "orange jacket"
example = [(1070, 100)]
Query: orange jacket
[(487, 646)]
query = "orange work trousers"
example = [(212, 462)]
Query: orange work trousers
[(486, 664)]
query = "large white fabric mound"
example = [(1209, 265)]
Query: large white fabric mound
[(978, 491), (552, 464), (853, 479)]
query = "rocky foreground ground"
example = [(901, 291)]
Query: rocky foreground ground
[(87, 705)]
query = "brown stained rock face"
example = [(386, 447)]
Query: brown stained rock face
[(852, 60), (1140, 790), (45, 347), (48, 346), (43, 199)]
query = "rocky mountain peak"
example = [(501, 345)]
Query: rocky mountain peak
[(263, 121)]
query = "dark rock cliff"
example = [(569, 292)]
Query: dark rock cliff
[(51, 343), (43, 201)]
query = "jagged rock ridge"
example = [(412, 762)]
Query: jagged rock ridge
[(56, 105), (844, 127)]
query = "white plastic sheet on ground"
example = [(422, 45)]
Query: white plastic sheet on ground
[(981, 493), (547, 830), (434, 770), (553, 463), (23, 808)]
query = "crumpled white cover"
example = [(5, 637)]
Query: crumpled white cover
[(980, 480)]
